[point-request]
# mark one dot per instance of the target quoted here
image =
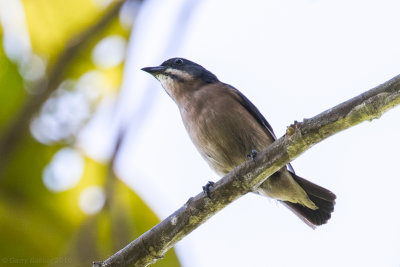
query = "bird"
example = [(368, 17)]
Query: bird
[(226, 127)]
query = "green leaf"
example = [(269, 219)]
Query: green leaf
[(11, 89)]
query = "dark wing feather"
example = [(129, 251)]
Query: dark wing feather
[(253, 110)]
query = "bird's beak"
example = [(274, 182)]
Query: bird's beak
[(154, 70)]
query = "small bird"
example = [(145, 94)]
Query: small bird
[(226, 128)]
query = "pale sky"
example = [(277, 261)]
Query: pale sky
[(293, 59)]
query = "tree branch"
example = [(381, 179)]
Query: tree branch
[(20, 125), (152, 245)]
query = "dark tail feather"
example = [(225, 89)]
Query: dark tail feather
[(323, 198)]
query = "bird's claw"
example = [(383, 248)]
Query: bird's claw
[(206, 188), (252, 154)]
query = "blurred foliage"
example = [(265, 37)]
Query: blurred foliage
[(44, 226), (52, 23), (11, 90)]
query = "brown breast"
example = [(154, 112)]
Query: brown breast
[(223, 131)]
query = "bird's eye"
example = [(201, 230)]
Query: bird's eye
[(178, 61)]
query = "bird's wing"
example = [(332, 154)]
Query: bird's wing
[(253, 110)]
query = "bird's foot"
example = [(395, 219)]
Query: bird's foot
[(206, 188), (252, 154)]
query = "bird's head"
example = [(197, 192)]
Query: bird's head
[(180, 76)]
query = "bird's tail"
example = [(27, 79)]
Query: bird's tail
[(322, 198)]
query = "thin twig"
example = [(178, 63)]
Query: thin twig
[(152, 245)]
